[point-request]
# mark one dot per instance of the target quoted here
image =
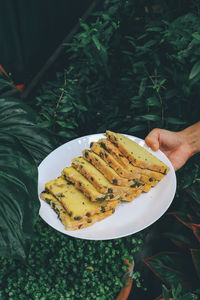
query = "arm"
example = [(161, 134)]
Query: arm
[(177, 146)]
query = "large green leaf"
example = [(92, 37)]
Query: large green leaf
[(19, 202), (19, 119), (23, 144), (172, 268)]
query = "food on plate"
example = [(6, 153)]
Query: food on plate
[(74, 202), (84, 185), (114, 169), (107, 171), (112, 149), (69, 222), (118, 168), (136, 154), (96, 178)]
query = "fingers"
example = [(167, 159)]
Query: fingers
[(152, 139)]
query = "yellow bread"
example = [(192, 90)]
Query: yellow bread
[(69, 222), (85, 186), (75, 202), (136, 154), (96, 178), (119, 169), (122, 160), (107, 171)]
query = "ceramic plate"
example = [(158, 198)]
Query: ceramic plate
[(128, 218)]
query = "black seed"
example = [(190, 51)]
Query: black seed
[(100, 199), (88, 215), (103, 145), (114, 181), (110, 190), (77, 218), (151, 179), (47, 201), (101, 155), (103, 209)]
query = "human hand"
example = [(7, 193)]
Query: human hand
[(175, 145)]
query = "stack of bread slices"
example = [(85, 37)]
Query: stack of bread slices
[(114, 169)]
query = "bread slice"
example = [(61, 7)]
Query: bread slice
[(96, 178), (119, 169), (136, 154), (69, 222), (122, 160), (85, 186), (75, 202), (108, 172)]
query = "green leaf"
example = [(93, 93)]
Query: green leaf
[(153, 101), (18, 119), (195, 70), (65, 109), (68, 134), (196, 260), (165, 292), (96, 42), (137, 128), (19, 203), (154, 29), (80, 107), (196, 35), (171, 268), (142, 87), (174, 121), (148, 117)]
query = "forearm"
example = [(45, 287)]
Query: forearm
[(192, 137)]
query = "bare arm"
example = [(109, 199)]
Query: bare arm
[(178, 146)]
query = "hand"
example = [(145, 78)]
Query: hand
[(177, 146)]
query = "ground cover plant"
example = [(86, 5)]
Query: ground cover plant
[(132, 67)]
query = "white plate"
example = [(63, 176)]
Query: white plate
[(128, 218)]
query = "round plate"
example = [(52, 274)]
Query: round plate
[(130, 217)]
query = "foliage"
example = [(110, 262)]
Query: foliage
[(22, 145), (5, 82), (129, 69), (178, 294), (61, 267), (181, 266)]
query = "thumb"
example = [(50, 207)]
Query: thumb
[(152, 139)]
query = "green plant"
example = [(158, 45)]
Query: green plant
[(61, 267), (22, 146), (178, 294), (181, 266)]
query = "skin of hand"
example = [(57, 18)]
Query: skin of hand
[(177, 146)]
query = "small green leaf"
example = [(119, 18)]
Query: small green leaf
[(165, 292), (96, 42), (153, 101), (137, 128), (65, 109), (174, 121), (154, 29), (80, 107), (195, 70), (196, 35), (148, 117)]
